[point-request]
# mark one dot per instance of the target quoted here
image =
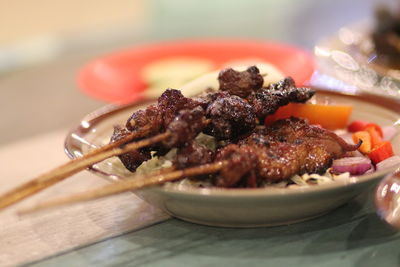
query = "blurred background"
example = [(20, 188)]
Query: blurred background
[(43, 43)]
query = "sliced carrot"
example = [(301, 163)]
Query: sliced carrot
[(376, 138), (328, 116), (381, 152), (365, 137)]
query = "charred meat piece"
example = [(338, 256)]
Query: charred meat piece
[(240, 83), (288, 87), (171, 102), (230, 116), (283, 85), (208, 97), (242, 163), (267, 100), (193, 154), (149, 117), (185, 127), (157, 117), (170, 114), (133, 159)]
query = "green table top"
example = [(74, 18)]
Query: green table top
[(351, 235)]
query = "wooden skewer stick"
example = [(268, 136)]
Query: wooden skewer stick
[(124, 186), (76, 165)]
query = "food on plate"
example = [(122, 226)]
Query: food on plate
[(221, 114), (231, 125)]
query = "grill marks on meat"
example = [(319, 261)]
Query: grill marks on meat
[(296, 131), (267, 100), (240, 83), (281, 160), (286, 148)]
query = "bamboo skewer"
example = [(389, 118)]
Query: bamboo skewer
[(124, 186), (76, 165)]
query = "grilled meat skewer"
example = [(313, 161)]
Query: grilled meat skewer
[(229, 116), (266, 154), (280, 151)]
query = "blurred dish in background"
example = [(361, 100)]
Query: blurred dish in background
[(386, 38), (144, 71), (173, 72), (365, 55)]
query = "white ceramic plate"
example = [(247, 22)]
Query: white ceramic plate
[(238, 207)]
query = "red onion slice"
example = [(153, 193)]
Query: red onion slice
[(353, 165), (389, 162)]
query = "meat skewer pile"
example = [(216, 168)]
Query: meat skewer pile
[(235, 110), (235, 115), (248, 153)]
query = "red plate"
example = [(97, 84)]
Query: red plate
[(117, 77)]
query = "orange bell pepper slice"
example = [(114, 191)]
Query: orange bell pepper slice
[(331, 117), (283, 112)]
